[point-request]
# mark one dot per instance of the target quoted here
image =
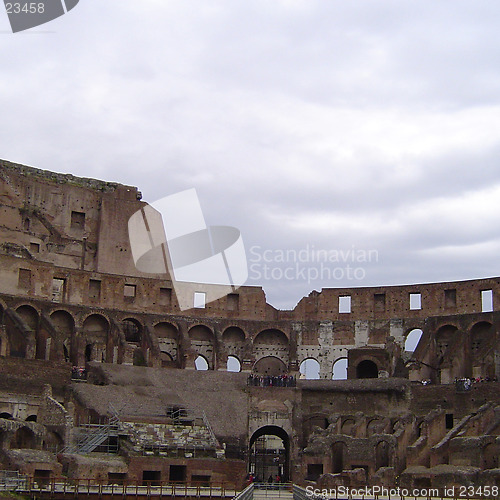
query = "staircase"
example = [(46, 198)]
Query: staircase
[(92, 436)]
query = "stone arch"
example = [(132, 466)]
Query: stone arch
[(339, 370), (23, 438), (309, 369), (29, 316), (271, 342), (259, 469), (270, 366), (168, 341), (271, 336), (367, 369), (233, 335), (6, 415), (233, 364), (53, 442), (31, 418), (339, 456), (64, 325), (63, 322), (412, 339), (202, 341), (95, 334), (374, 426), (382, 455), (347, 427), (132, 329)]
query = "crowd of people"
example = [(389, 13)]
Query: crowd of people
[(271, 381)]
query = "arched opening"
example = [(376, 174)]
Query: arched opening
[(31, 418), (95, 332), (233, 335), (201, 363), (6, 415), (374, 426), (309, 369), (271, 337), (23, 438), (339, 455), (367, 369), (167, 335), (270, 454), (412, 339), (233, 364), (269, 366), (340, 369), (381, 455), (29, 316), (63, 323), (132, 330), (53, 442), (347, 427), (202, 340)]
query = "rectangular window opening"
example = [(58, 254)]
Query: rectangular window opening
[(78, 220), (177, 473), (379, 299), (449, 420), (165, 296), (200, 300), (486, 301), (450, 299), (58, 289), (151, 477), (35, 247), (129, 290), (345, 304), (95, 289), (314, 471), (24, 279), (415, 301), (233, 302)]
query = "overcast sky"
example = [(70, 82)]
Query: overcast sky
[(309, 125)]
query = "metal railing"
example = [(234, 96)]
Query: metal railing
[(48, 487), (246, 494), (12, 480)]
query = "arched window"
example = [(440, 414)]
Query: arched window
[(233, 364), (309, 369), (201, 363), (412, 340), (340, 369)]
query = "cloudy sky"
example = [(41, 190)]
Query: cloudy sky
[(335, 126)]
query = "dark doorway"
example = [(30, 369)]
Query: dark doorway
[(177, 474), (367, 369), (151, 477), (314, 471), (270, 454)]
